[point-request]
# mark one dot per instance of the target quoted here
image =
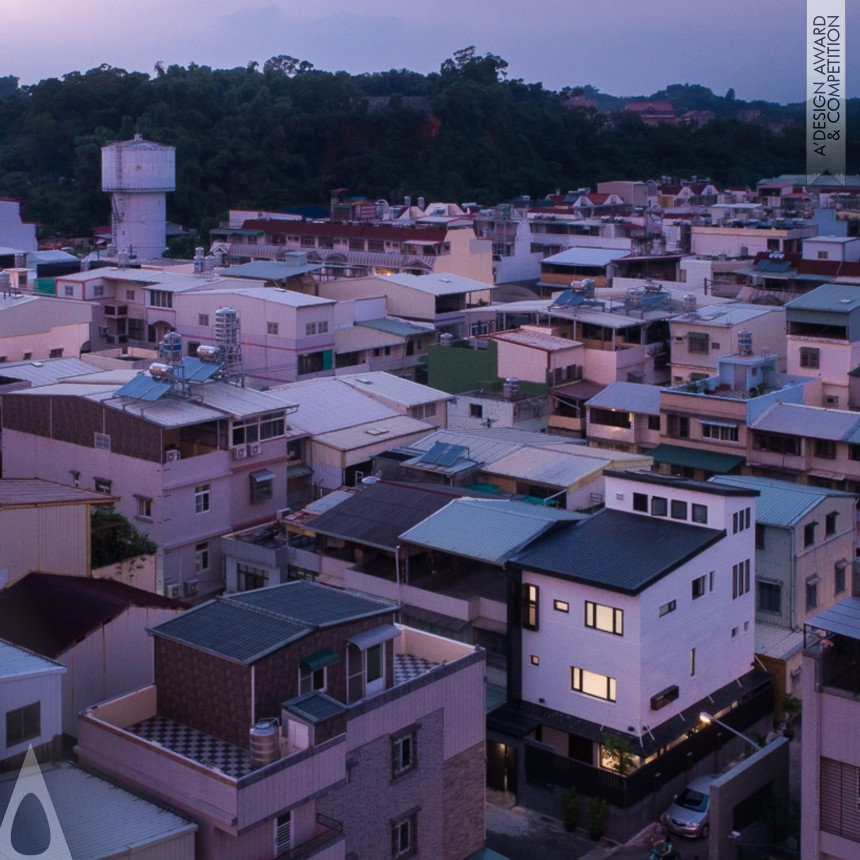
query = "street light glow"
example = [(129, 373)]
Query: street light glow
[(705, 717)]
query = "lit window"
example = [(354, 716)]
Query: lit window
[(534, 660), (561, 606), (606, 618), (202, 498), (530, 607), (592, 684)]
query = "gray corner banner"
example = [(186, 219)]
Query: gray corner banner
[(825, 92)]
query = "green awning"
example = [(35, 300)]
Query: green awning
[(319, 659), (695, 458)]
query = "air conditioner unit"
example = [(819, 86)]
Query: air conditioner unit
[(172, 589), (283, 513), (255, 449), (239, 452), (190, 586), (172, 455), (103, 330)]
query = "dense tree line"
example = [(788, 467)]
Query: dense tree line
[(285, 134)]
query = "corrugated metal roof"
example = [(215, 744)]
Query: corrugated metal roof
[(771, 640), (696, 458), (439, 283), (780, 503), (246, 627), (394, 388), (355, 337), (45, 372), (843, 619), (628, 397), (327, 404), (586, 257), (396, 327), (547, 466), (599, 550), (538, 340), (490, 530), (796, 419), (35, 491), (99, 819), (381, 512), (276, 295), (268, 270), (373, 432), (839, 298), (726, 315), (16, 662)]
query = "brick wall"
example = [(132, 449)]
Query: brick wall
[(463, 803)]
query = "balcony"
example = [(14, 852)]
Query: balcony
[(328, 834), (116, 311), (205, 776)]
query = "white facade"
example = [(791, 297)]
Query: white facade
[(748, 241)]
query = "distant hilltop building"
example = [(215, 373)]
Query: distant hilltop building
[(138, 174), (653, 113)]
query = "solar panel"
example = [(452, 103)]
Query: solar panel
[(450, 455), (144, 387), (199, 371), (434, 453)]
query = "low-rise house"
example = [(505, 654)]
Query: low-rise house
[(324, 702), (805, 546), (96, 628), (574, 264), (596, 699), (624, 416), (187, 460), (34, 328), (45, 525), (702, 335), (32, 714), (823, 341), (830, 756)]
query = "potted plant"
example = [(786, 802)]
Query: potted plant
[(570, 809), (596, 814)]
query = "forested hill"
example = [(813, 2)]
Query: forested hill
[(285, 133)]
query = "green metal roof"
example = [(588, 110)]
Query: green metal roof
[(319, 659), (695, 458)]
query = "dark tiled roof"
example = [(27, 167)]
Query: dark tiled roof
[(315, 706), (246, 627), (380, 513), (49, 613), (617, 550)]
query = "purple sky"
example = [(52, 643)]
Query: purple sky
[(623, 47)]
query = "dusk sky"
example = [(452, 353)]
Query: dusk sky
[(623, 47)]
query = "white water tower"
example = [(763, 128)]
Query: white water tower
[(138, 174)]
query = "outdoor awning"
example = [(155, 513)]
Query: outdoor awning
[(695, 458), (319, 659), (368, 638), (262, 476), (298, 471)]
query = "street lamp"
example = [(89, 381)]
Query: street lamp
[(708, 718)]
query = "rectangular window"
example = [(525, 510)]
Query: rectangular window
[(776, 443), (659, 506), (102, 485), (769, 596), (678, 426), (310, 329), (811, 593), (312, 680), (102, 441), (262, 483), (311, 362), (678, 509), (810, 357), (23, 724), (68, 290), (740, 578), (809, 534), (144, 508), (129, 295), (698, 588), (160, 299), (283, 833), (692, 662), (249, 578), (271, 327), (606, 618), (592, 684), (203, 320), (759, 536), (322, 327), (202, 498), (403, 756), (666, 608), (534, 660), (56, 353), (404, 836), (825, 448), (561, 606), (610, 418), (699, 514), (201, 557), (640, 502), (839, 577), (531, 594), (698, 342), (720, 432), (747, 517), (830, 523), (735, 522), (654, 422)]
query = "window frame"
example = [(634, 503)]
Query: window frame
[(531, 606), (23, 723), (594, 622), (578, 684), (404, 753), (202, 498)]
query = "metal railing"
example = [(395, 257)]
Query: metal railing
[(328, 830)]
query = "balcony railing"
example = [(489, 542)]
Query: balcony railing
[(327, 832)]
